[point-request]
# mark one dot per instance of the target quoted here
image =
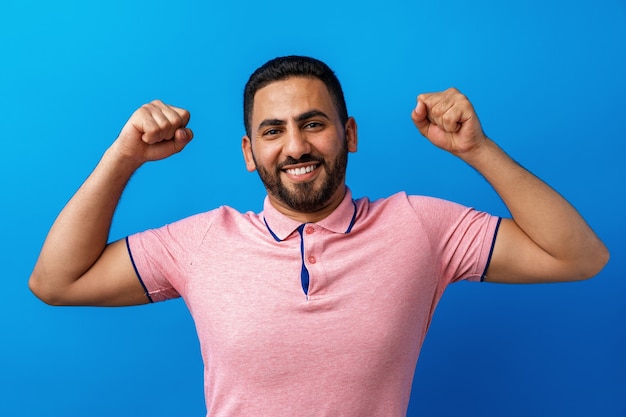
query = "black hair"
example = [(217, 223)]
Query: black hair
[(281, 68)]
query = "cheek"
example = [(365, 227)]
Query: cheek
[(267, 154), (332, 146)]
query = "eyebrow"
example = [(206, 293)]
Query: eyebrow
[(300, 118)]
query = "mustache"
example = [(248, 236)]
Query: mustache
[(303, 159)]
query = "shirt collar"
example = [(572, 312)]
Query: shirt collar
[(340, 220)]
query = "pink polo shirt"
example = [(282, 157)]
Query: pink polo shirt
[(348, 347)]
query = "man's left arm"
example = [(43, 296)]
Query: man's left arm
[(546, 240)]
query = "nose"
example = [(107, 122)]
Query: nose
[(296, 144)]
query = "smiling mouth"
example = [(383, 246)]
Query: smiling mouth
[(301, 170)]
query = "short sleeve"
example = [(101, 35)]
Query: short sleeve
[(162, 256), (461, 237)]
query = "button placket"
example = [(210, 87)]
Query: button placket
[(309, 230), (304, 272), (308, 247)]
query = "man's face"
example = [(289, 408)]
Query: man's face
[(298, 145)]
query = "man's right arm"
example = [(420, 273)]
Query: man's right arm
[(76, 265)]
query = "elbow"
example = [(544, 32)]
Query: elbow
[(601, 260), (594, 263), (35, 287), (43, 292)]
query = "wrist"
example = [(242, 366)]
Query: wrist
[(120, 163), (482, 154)]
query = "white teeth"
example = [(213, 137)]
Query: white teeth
[(302, 170)]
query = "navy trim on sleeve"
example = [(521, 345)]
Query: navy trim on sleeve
[(493, 244), (145, 290)]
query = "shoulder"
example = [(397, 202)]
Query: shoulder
[(195, 227), (431, 214), (419, 204)]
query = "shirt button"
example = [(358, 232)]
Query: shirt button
[(309, 230), (312, 259)]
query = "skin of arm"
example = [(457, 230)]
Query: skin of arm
[(76, 265), (546, 240)]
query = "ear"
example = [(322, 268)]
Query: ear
[(246, 148), (352, 138)]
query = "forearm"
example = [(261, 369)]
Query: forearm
[(548, 219), (80, 233), (547, 240)]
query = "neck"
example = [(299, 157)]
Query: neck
[(310, 217)]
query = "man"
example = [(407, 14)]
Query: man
[(319, 304)]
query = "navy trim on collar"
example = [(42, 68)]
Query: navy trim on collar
[(341, 220), (353, 220), (276, 238)]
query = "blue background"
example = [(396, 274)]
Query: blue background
[(548, 82)]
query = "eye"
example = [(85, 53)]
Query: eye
[(271, 132), (313, 126)]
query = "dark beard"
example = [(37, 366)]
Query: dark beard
[(306, 198)]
